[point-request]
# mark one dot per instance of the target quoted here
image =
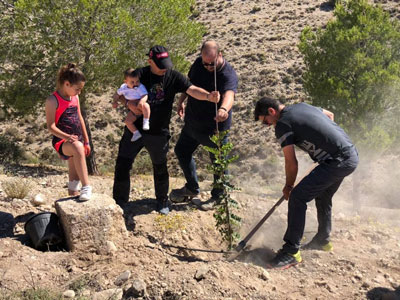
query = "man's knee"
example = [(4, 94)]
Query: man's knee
[(122, 168), (297, 196), (180, 151)]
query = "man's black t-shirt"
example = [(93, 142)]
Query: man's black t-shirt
[(200, 114), (307, 127), (161, 94)]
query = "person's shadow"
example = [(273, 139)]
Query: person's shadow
[(7, 224), (383, 293), (144, 206)]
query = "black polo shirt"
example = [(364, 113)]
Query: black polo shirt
[(307, 127), (200, 114)]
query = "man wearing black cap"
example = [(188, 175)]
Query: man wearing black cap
[(162, 84), (202, 119)]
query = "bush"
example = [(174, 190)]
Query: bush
[(143, 164), (36, 294), (13, 133), (17, 188), (49, 155), (353, 66), (9, 150)]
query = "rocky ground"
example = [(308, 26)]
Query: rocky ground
[(159, 259), (259, 39)]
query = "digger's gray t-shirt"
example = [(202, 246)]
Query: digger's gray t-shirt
[(307, 127)]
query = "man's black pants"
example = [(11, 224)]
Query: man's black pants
[(157, 146), (321, 184)]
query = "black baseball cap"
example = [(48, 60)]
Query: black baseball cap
[(160, 56)]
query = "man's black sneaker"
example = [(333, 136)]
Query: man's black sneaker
[(163, 207), (317, 245), (284, 260), (181, 195)]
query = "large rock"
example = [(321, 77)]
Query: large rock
[(91, 225)]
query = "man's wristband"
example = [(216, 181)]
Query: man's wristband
[(223, 108), (207, 96), (85, 143), (289, 186)]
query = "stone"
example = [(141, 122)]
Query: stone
[(38, 200), (215, 274), (264, 275), (69, 294), (110, 247), (201, 273), (88, 226), (137, 288), (115, 294), (122, 278)]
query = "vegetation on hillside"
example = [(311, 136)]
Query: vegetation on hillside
[(102, 37), (353, 69)]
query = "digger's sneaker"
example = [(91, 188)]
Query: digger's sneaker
[(181, 195), (316, 245), (284, 260), (86, 193)]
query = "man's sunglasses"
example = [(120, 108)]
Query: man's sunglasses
[(212, 64)]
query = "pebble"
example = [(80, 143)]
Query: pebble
[(379, 279), (123, 278), (138, 288), (38, 200), (201, 273), (215, 274), (110, 247), (69, 294), (115, 294), (264, 275)]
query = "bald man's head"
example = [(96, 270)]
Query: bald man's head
[(209, 48)]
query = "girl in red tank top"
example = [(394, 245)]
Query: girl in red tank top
[(65, 122)]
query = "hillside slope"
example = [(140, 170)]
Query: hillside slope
[(259, 38)]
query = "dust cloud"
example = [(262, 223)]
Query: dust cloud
[(371, 193)]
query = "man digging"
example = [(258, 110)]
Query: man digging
[(313, 130)]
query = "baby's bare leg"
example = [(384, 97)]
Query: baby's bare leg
[(129, 120), (146, 111)]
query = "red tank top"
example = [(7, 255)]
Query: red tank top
[(67, 118)]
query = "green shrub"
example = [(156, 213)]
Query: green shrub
[(9, 150), (36, 294), (143, 164), (49, 155), (13, 133)]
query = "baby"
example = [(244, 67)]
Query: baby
[(133, 91)]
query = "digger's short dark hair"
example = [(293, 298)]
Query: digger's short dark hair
[(262, 106)]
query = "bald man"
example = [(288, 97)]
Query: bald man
[(202, 119)]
